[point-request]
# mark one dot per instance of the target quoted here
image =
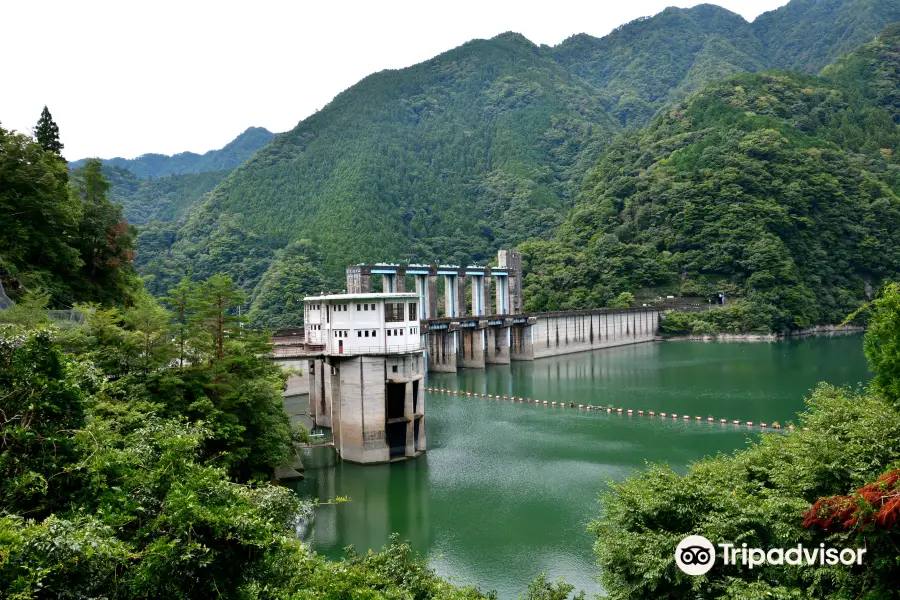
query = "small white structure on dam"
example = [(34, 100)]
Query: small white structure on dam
[(366, 382)]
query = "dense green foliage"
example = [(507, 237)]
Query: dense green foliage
[(759, 496), (644, 65), (231, 156), (775, 187), (125, 474), (164, 198), (481, 147), (295, 273), (66, 238)]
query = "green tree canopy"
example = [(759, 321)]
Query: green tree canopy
[(46, 132)]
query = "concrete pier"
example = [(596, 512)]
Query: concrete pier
[(470, 352), (496, 351), (520, 346), (441, 348)]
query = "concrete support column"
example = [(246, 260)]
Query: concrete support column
[(442, 351), (486, 282), (512, 260), (409, 413), (431, 296), (389, 283), (471, 348), (460, 296), (496, 351), (478, 295), (358, 282), (400, 281), (451, 308), (426, 287), (319, 399), (502, 282), (521, 347), (421, 444), (422, 291), (332, 379)]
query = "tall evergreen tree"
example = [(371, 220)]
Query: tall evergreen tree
[(47, 133)]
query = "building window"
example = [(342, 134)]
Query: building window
[(367, 334), (412, 312), (373, 307), (401, 332), (394, 368), (359, 334), (393, 312), (389, 332), (358, 307), (373, 333)]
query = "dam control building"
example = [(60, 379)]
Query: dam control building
[(366, 382)]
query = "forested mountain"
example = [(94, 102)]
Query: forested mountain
[(238, 150), (777, 187), (479, 147), (483, 146)]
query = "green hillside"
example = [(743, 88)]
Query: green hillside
[(776, 188), (234, 153), (482, 147), (163, 198)]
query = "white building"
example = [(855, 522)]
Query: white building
[(363, 323), (368, 387)]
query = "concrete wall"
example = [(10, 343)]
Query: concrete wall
[(557, 334), (548, 334)]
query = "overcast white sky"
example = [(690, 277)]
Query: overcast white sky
[(123, 78)]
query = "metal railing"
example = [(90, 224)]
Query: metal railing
[(357, 350)]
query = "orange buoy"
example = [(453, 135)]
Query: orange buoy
[(640, 412)]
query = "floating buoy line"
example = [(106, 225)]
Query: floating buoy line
[(608, 409)]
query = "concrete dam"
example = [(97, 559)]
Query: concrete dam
[(471, 331)]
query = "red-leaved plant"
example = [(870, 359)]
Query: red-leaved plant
[(876, 505)]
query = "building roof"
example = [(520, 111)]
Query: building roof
[(369, 296)]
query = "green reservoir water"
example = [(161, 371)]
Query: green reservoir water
[(505, 490)]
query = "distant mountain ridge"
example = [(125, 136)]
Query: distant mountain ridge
[(483, 146), (231, 156)]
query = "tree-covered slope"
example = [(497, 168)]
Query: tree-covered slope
[(778, 188), (163, 198), (231, 156), (639, 66), (807, 35), (648, 63), (479, 147)]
